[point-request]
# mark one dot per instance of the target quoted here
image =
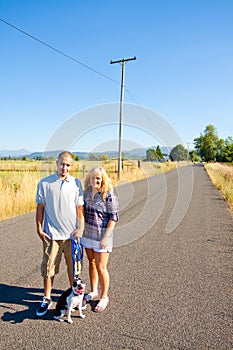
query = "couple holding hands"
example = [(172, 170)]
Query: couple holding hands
[(64, 209)]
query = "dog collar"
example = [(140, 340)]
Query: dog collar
[(80, 291)]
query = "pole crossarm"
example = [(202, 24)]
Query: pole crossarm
[(122, 62)]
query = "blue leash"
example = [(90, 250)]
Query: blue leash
[(77, 254)]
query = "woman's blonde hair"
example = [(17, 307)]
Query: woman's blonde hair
[(106, 184)]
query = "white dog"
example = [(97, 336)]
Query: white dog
[(69, 300)]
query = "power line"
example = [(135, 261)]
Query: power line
[(65, 55), (130, 95), (59, 51)]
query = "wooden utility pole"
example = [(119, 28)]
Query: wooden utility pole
[(122, 62)]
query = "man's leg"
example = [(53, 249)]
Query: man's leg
[(48, 285), (49, 267), (67, 250)]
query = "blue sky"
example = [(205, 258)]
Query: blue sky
[(183, 71)]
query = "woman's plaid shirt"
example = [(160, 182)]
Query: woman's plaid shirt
[(97, 214)]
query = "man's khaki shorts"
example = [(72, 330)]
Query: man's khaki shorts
[(52, 254)]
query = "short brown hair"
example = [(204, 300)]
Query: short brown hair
[(65, 154)]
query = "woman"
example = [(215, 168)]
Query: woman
[(101, 215)]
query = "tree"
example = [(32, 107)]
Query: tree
[(92, 156), (228, 150), (159, 152), (207, 144), (104, 157), (179, 153), (220, 147), (194, 156), (151, 155)]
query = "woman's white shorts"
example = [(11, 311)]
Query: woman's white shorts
[(95, 245)]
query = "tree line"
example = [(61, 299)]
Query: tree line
[(208, 147)]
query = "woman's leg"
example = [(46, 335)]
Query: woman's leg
[(93, 274), (101, 260)]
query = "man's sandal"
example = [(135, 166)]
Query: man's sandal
[(88, 297), (102, 304)]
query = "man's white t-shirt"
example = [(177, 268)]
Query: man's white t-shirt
[(60, 197)]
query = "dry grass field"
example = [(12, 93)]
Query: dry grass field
[(221, 174), (18, 179)]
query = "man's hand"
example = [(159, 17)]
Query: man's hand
[(77, 233), (43, 236)]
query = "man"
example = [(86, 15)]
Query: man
[(59, 215)]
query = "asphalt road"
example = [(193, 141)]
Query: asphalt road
[(171, 274)]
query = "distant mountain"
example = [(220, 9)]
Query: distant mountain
[(136, 153), (54, 154), (141, 152), (14, 153)]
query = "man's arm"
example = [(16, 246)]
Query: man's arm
[(39, 221), (80, 215)]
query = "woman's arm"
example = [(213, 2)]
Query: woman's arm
[(109, 229)]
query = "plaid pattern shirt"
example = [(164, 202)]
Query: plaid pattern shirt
[(97, 213)]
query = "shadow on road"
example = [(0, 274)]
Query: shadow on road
[(20, 303)]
